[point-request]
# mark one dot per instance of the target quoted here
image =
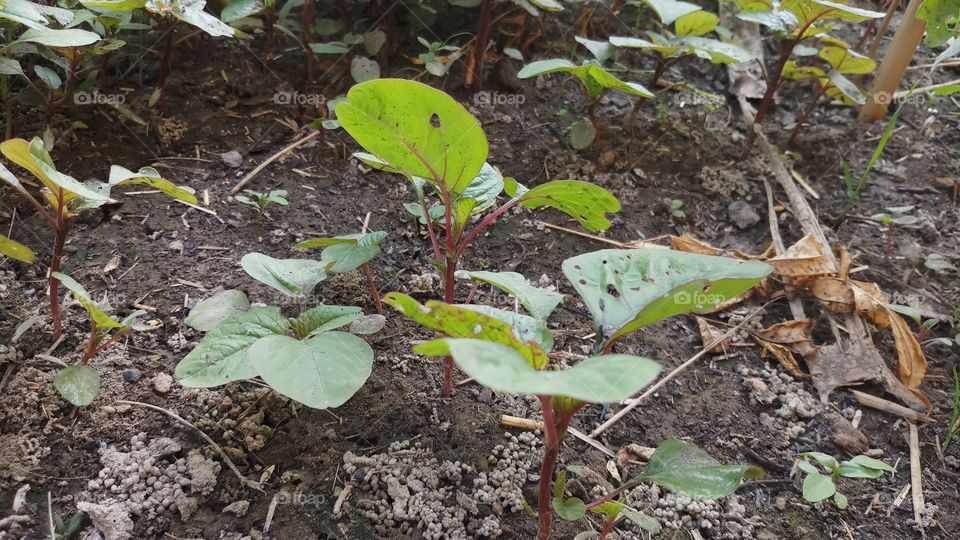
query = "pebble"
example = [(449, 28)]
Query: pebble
[(742, 214), (131, 375), (162, 383), (232, 159)]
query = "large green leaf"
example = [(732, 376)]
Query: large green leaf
[(191, 12), (716, 51), (864, 467), (942, 17), (538, 302), (779, 21), (23, 12), (684, 468), (324, 318), (293, 277), (51, 37), (34, 158), (78, 384), (114, 5), (211, 312), (97, 315), (323, 371), (484, 188), (698, 23), (847, 61), (628, 289), (817, 487), (525, 327), (594, 77), (601, 50), (16, 250), (222, 355), (417, 130), (544, 67), (149, 176), (599, 379), (461, 322), (583, 201), (348, 252), (671, 10)]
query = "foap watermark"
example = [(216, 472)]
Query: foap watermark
[(682, 99), (497, 98), (296, 98), (300, 498), (698, 299), (94, 97), (886, 98)]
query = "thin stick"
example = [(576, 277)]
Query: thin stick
[(916, 476), (881, 404), (290, 148), (53, 535), (660, 384), (623, 245), (533, 425), (243, 480)]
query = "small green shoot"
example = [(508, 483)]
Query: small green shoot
[(260, 201), (818, 486)]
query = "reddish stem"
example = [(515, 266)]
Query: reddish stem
[(487, 221), (373, 287), (607, 527), (806, 115), (480, 45), (109, 342), (473, 291), (92, 343), (554, 430)]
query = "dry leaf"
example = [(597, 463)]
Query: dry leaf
[(911, 362), (112, 264), (802, 260), (710, 333), (634, 452), (690, 244), (784, 355), (797, 335)]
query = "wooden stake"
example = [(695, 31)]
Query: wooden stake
[(894, 64)]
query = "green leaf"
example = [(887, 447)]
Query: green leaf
[(191, 12), (78, 384), (864, 467), (671, 10), (525, 328), (595, 79), (324, 318), (222, 355), (847, 61), (628, 289), (645, 522), (824, 460), (16, 250), (840, 500), (368, 324), (119, 176), (571, 509), (817, 487), (9, 66), (599, 379), (114, 5), (544, 67), (417, 130), (631, 42), (239, 9), (460, 322), (548, 5), (33, 157), (941, 17), (698, 23), (843, 88), (583, 201), (211, 312), (363, 69), (48, 76), (538, 302), (582, 134), (843, 12), (51, 37), (484, 189), (332, 47), (601, 50), (101, 319), (684, 468), (718, 52), (293, 277), (610, 510), (349, 251), (23, 12), (779, 21), (321, 372)]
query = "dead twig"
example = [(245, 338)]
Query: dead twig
[(881, 404), (290, 148), (533, 425), (916, 476)]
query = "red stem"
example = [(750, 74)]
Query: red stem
[(480, 45), (92, 343), (806, 115), (607, 527), (462, 245), (373, 287), (473, 291), (109, 342), (554, 430)]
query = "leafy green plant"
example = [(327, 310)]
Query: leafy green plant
[(793, 24), (595, 81), (942, 18), (260, 201), (349, 252), (675, 208), (66, 529), (818, 486), (66, 198), (855, 186), (305, 358), (423, 134), (439, 57), (80, 383)]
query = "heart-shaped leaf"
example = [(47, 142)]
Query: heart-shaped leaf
[(222, 355), (348, 252), (293, 277), (684, 468), (321, 372), (817, 487), (599, 379), (570, 509), (626, 289), (324, 318), (210, 312), (78, 384), (417, 130), (540, 303)]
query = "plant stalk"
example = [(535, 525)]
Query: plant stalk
[(554, 429), (92, 343), (480, 46), (607, 528), (59, 240), (373, 287)]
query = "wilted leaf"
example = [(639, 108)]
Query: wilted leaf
[(804, 259)]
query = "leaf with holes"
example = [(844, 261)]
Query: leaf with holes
[(627, 289), (417, 130), (684, 468), (599, 379)]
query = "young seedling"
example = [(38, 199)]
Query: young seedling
[(675, 208), (66, 198), (80, 383), (594, 80), (305, 358), (818, 486), (260, 201), (423, 134), (895, 215), (855, 186), (794, 23), (349, 252)]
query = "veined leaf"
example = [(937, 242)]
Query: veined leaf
[(222, 355), (211, 312), (628, 289), (600, 379), (78, 384), (698, 23), (293, 277), (417, 130), (817, 487), (538, 302), (324, 318), (120, 176), (583, 201), (601, 50), (941, 17), (34, 158), (16, 250), (842, 88), (525, 327), (348, 252), (717, 51), (847, 61), (52, 37), (23, 12), (684, 468), (239, 9), (595, 79), (461, 322)]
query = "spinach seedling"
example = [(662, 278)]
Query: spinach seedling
[(349, 252), (80, 383), (66, 198), (795, 22), (260, 201), (595, 81), (305, 358), (411, 129), (818, 486)]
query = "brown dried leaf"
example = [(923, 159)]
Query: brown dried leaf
[(784, 355), (802, 260), (797, 335), (690, 244), (710, 333), (911, 362)]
